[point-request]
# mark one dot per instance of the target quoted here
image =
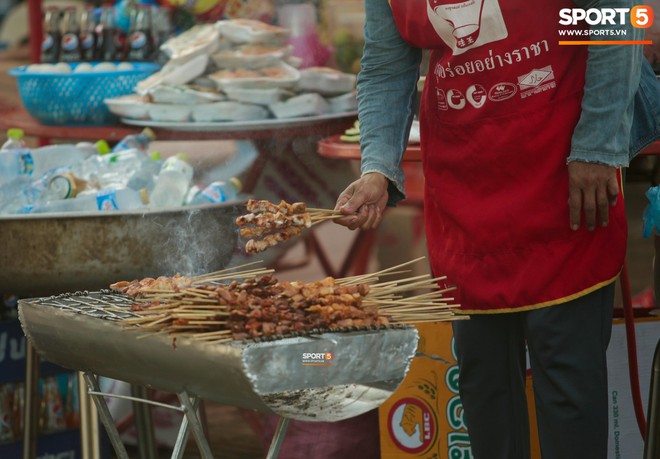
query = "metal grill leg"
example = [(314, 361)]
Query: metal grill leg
[(184, 433), (195, 425), (278, 438), (146, 437), (106, 418)]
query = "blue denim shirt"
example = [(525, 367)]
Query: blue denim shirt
[(620, 108)]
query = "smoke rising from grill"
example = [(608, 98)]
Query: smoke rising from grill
[(201, 241)]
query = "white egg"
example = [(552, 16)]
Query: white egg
[(39, 68), (83, 67), (62, 67), (105, 67), (124, 66)]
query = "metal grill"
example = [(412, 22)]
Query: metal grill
[(80, 331)]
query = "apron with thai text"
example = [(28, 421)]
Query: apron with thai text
[(500, 103)]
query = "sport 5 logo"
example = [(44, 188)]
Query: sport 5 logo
[(640, 16)]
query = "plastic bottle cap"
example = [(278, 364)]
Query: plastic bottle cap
[(155, 156), (144, 196), (149, 133), (237, 184), (15, 133), (102, 147), (182, 156)]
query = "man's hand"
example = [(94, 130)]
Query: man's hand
[(363, 201), (592, 187)]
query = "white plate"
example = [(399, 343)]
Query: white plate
[(224, 126)]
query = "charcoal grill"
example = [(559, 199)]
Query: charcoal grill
[(80, 331)]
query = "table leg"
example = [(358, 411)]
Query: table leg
[(278, 438), (263, 147), (31, 407)]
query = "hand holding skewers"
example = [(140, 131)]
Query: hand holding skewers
[(275, 224)]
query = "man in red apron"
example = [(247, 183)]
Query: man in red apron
[(532, 241)]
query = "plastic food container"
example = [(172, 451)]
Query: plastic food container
[(167, 112), (251, 56), (267, 96), (325, 81), (198, 40), (303, 105), (251, 31), (228, 111), (184, 95), (279, 75), (174, 73), (131, 106)]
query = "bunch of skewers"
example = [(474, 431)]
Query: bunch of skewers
[(267, 224), (237, 304)]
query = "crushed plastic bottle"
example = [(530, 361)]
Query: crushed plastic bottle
[(116, 169), (145, 176), (172, 182), (104, 200), (215, 192), (139, 141)]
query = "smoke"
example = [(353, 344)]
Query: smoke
[(198, 240)]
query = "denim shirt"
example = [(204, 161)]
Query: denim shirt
[(620, 107)]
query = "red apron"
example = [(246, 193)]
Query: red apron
[(499, 107)]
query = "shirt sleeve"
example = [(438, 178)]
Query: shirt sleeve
[(386, 87), (602, 134)]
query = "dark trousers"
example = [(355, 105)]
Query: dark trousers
[(566, 345)]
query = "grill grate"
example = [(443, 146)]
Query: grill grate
[(109, 305)]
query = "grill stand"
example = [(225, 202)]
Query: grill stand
[(191, 421)]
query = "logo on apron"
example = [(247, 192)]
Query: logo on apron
[(467, 24)]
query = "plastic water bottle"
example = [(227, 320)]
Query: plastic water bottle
[(15, 157), (139, 141), (104, 200), (173, 182), (145, 176), (216, 192), (101, 147), (18, 195), (116, 169)]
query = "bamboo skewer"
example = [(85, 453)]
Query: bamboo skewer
[(201, 313)]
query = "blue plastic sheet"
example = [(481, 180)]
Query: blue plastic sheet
[(652, 211)]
